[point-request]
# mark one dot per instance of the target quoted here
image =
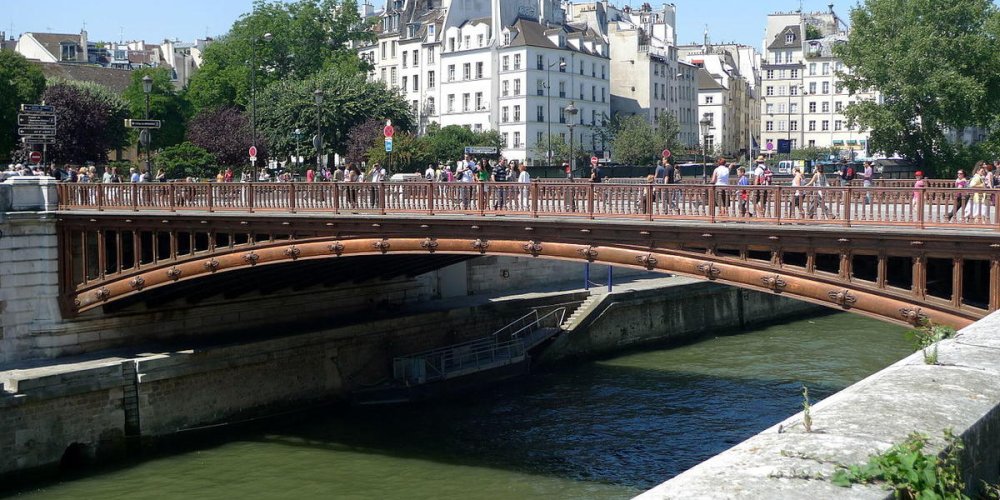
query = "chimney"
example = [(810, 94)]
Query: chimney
[(831, 8), (83, 46)]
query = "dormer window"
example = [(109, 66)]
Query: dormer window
[(790, 38), (411, 31), (67, 51), (506, 38)]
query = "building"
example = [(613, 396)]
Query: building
[(803, 99), (511, 66)]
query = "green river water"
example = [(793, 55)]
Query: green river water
[(596, 430)]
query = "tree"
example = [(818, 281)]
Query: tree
[(935, 65), (186, 160), (349, 99), (409, 153), (307, 36), (90, 118), (165, 104), (635, 142), (667, 132), (448, 143), (225, 133), (560, 148), (360, 139), (21, 82)]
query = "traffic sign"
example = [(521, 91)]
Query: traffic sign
[(35, 157), (480, 150), (130, 123), (38, 140), (770, 145), (44, 131), (253, 151), (35, 119), (593, 160), (666, 153), (388, 131), (37, 108), (388, 144)]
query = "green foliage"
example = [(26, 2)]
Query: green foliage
[(409, 154), (636, 142), (910, 471), (349, 99), (935, 65), (307, 37), (91, 121), (560, 149), (21, 82), (165, 104), (813, 32), (448, 144), (926, 337), (186, 160)]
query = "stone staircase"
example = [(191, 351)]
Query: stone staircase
[(583, 311)]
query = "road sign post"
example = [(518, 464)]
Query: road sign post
[(144, 124)]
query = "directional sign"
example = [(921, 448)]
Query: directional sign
[(388, 144), (33, 120), (38, 140), (480, 150), (37, 108), (130, 123), (34, 157), (40, 130)]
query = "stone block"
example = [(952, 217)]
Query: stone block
[(32, 194)]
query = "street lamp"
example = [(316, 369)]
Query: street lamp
[(570, 112), (548, 104), (318, 138), (253, 95), (144, 135), (298, 157), (705, 123)]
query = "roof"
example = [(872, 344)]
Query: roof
[(533, 34), (707, 82), (53, 41), (115, 79), (779, 41)]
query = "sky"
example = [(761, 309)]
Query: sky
[(739, 21)]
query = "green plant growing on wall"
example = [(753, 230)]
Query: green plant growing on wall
[(926, 337), (807, 421), (911, 472)]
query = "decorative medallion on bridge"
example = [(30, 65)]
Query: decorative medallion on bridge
[(174, 273), (137, 283), (381, 245), (773, 238), (77, 303), (843, 298), (913, 316), (774, 283), (481, 245), (429, 244), (293, 252), (647, 260), (589, 253), (251, 258), (917, 243), (337, 248), (707, 235), (212, 265), (102, 294), (709, 270), (533, 247)]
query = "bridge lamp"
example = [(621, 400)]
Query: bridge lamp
[(548, 104), (147, 88), (570, 111), (706, 124), (318, 139), (266, 37)]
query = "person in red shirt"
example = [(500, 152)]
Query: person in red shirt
[(918, 186)]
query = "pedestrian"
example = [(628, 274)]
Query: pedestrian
[(796, 205), (133, 174), (961, 197), (227, 177), (720, 178), (918, 188), (866, 180), (975, 206), (744, 195), (524, 178), (819, 180), (762, 176), (429, 174), (161, 176), (500, 175)]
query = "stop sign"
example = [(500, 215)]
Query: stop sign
[(253, 151), (593, 160), (666, 153), (388, 131), (35, 157)]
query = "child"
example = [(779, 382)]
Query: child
[(744, 195)]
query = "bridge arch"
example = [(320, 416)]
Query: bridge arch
[(794, 283)]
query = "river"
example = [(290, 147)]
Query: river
[(596, 430)]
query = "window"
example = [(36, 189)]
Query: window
[(793, 107), (769, 126), (793, 125), (769, 108), (517, 86), (603, 90), (383, 49), (593, 93), (812, 69), (826, 125), (838, 125), (383, 74), (451, 44), (517, 140), (593, 117), (430, 106), (769, 74), (504, 115), (505, 86), (826, 68), (465, 102), (505, 65), (795, 74), (416, 58), (826, 107), (789, 38), (517, 61), (602, 72), (562, 62), (479, 70), (812, 87), (393, 50), (479, 39), (812, 107), (540, 90), (793, 90), (430, 55), (812, 143), (540, 113), (430, 79), (430, 32), (414, 104), (812, 125), (451, 72), (562, 89), (467, 42), (405, 60), (826, 87), (451, 103), (838, 106), (392, 75), (781, 108), (781, 125), (709, 99), (581, 91), (506, 38), (416, 83), (517, 113), (539, 62), (593, 70), (788, 56), (581, 67), (769, 90), (479, 102), (467, 71), (504, 137)]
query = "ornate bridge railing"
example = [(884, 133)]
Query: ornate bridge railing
[(846, 206)]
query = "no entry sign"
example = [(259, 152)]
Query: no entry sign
[(35, 157)]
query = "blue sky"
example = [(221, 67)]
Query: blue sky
[(727, 20)]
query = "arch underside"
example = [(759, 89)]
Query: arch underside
[(820, 288)]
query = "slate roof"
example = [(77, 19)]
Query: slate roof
[(779, 41), (530, 33), (115, 79), (707, 82), (53, 41)]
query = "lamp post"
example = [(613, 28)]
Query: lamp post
[(570, 113), (548, 104), (318, 138), (705, 123), (298, 141), (144, 135), (253, 95)]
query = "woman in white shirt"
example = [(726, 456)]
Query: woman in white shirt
[(525, 178)]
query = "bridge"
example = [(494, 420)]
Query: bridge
[(892, 252)]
